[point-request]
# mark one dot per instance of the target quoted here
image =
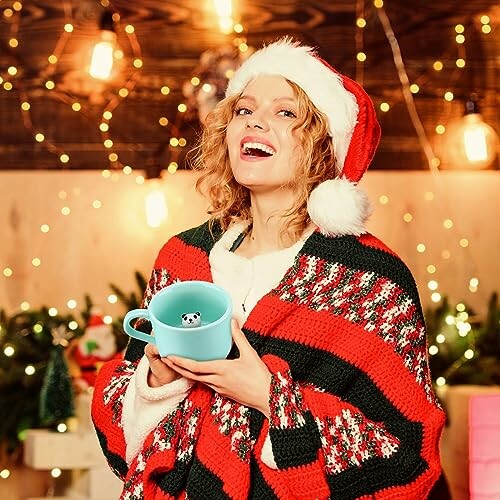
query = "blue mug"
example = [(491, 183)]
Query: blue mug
[(210, 340)]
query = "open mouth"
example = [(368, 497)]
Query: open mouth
[(257, 149)]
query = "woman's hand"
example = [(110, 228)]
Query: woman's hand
[(245, 380), (159, 373)]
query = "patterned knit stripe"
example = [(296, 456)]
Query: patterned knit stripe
[(354, 254), (347, 437), (355, 387), (368, 452), (363, 298), (355, 352)]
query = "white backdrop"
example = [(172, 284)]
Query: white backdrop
[(91, 247)]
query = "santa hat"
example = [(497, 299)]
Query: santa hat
[(337, 206)]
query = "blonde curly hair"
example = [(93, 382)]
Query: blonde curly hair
[(230, 201)]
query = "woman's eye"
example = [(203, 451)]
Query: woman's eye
[(288, 113), (242, 111)]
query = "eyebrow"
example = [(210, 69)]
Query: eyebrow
[(252, 98)]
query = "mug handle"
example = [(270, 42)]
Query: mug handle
[(133, 314)]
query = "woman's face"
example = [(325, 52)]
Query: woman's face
[(263, 147)]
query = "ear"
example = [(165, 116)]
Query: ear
[(198, 313), (184, 316)]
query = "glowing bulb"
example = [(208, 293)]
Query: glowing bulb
[(56, 472), (156, 207), (361, 56), (433, 350), (420, 248), (101, 63), (71, 304), (440, 381), (469, 354), (29, 370), (436, 297), (52, 312), (112, 299), (9, 351), (62, 427), (440, 339), (437, 65), (72, 325), (432, 285), (4, 473)]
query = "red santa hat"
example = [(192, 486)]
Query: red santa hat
[(337, 206)]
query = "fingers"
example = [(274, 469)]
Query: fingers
[(238, 336), (151, 351), (200, 367), (209, 379)]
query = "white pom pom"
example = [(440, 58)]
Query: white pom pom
[(338, 207)]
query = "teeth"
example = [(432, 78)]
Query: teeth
[(257, 145)]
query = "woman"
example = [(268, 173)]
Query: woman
[(327, 392)]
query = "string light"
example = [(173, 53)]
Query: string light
[(56, 472), (9, 350)]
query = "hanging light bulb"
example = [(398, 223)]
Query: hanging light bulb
[(155, 202), (472, 143), (224, 10), (101, 63)]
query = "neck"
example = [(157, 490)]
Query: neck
[(268, 221)]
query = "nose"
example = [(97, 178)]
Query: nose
[(256, 120)]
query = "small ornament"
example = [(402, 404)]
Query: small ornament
[(191, 320), (96, 346), (61, 336)]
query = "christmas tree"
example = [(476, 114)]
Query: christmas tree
[(463, 348), (56, 395)]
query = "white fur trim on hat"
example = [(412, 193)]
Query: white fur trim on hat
[(323, 86), (338, 207)]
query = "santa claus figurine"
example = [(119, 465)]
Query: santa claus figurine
[(91, 350)]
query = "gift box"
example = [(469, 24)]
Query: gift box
[(484, 447)]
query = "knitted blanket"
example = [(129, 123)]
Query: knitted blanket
[(352, 411)]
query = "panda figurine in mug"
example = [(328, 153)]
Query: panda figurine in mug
[(191, 320)]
